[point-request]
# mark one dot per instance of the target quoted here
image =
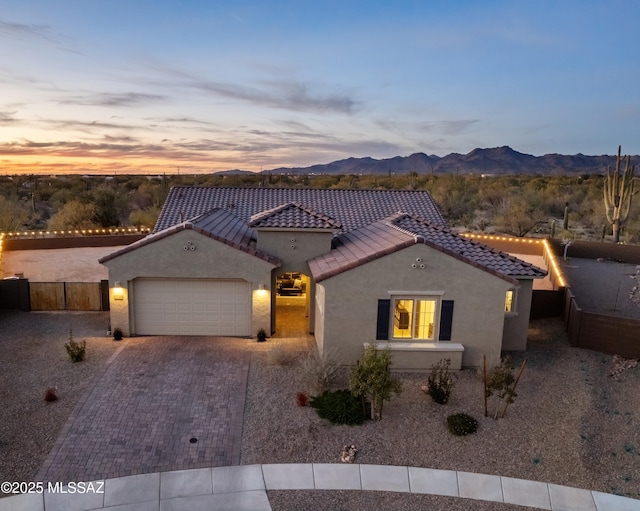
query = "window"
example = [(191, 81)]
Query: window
[(510, 302), (414, 318), (423, 319)]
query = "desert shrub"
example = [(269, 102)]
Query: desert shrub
[(75, 350), (339, 407), (372, 377), (117, 333), (319, 370), (440, 382), (50, 395), (461, 424)]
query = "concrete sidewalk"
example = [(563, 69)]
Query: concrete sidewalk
[(244, 488)]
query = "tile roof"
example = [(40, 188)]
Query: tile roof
[(468, 249), (218, 224), (358, 247), (352, 208), (293, 216), (225, 225), (402, 230)]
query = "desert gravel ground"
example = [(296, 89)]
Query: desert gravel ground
[(571, 423), (32, 358)]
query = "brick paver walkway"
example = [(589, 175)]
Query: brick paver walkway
[(155, 397)]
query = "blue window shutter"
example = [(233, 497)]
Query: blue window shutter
[(382, 329), (446, 320)]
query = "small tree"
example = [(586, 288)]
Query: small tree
[(372, 377), (501, 382), (566, 243)]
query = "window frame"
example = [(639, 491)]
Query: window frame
[(514, 302), (436, 297)]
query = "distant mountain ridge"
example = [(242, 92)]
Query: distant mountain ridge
[(494, 161)]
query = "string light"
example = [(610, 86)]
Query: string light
[(27, 234), (547, 250)]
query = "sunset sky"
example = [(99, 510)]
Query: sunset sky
[(133, 86)]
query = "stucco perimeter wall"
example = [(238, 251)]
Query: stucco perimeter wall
[(167, 258), (351, 300), (516, 327)]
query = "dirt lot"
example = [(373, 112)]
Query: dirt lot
[(602, 286), (58, 265)]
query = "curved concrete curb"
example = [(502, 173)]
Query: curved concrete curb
[(245, 488)]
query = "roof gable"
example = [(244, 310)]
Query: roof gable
[(470, 250), (218, 224), (293, 216)]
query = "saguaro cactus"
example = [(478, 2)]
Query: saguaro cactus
[(618, 192)]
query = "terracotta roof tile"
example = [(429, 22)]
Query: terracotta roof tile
[(358, 247), (217, 224), (293, 216), (470, 250), (351, 208), (401, 230)]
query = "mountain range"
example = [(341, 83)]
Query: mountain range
[(493, 161)]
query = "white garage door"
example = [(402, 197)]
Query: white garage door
[(192, 307)]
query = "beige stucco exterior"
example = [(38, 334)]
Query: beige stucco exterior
[(167, 258), (350, 306), (516, 326), (342, 309)]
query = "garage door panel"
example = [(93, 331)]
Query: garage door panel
[(192, 307)]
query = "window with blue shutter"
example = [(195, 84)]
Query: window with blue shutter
[(382, 328), (446, 320)]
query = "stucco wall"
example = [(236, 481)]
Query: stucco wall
[(351, 301), (516, 327), (319, 316), (307, 245), (167, 258)]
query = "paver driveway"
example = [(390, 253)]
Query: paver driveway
[(157, 395)]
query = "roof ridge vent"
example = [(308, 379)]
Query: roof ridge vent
[(415, 236)]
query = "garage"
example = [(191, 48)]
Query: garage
[(192, 307)]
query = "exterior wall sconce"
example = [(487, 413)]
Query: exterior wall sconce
[(262, 292), (118, 292)]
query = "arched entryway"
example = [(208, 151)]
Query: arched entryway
[(292, 307)]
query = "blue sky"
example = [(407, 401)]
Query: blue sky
[(140, 86)]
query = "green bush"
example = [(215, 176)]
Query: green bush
[(440, 382), (75, 350), (339, 407), (461, 424)]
